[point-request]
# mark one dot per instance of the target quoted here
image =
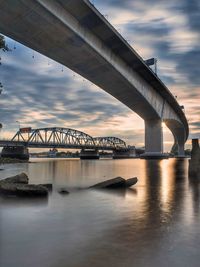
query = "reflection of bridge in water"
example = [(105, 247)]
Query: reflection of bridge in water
[(63, 138)]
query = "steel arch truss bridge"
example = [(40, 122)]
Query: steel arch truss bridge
[(115, 142), (64, 138)]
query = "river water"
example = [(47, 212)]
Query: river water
[(156, 223)]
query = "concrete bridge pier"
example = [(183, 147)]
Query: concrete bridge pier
[(124, 153), (181, 151), (153, 139), (179, 137), (15, 152), (89, 154), (194, 162), (181, 143)]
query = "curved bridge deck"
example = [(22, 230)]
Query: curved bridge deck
[(76, 35)]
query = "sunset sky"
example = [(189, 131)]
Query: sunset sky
[(41, 93)]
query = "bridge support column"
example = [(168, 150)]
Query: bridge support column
[(153, 140), (124, 153), (181, 151), (89, 154), (181, 146), (15, 152), (194, 162)]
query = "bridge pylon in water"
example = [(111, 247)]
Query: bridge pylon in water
[(15, 152), (89, 154)]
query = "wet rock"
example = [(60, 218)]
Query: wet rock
[(111, 183), (63, 191), (21, 178), (8, 188), (115, 183), (131, 181), (23, 189), (18, 185), (49, 187), (32, 190)]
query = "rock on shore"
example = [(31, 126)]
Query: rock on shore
[(116, 183), (63, 191), (131, 181), (18, 185), (49, 187), (21, 178), (23, 189)]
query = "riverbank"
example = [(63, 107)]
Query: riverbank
[(9, 160)]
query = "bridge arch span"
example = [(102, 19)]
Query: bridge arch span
[(55, 135), (110, 141)]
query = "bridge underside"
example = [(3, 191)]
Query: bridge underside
[(74, 34)]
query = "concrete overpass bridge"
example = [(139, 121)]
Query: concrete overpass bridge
[(76, 35), (62, 138)]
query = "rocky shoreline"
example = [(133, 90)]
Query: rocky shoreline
[(10, 160), (18, 186), (115, 183)]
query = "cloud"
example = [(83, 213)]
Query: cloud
[(42, 95)]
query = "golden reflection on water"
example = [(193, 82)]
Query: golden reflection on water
[(147, 225), (161, 191), (156, 189), (167, 184)]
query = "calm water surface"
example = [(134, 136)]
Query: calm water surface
[(156, 223)]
